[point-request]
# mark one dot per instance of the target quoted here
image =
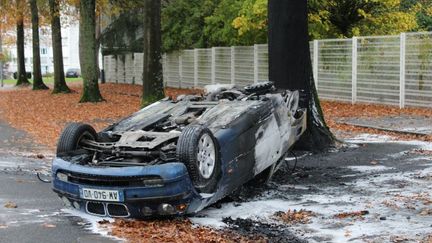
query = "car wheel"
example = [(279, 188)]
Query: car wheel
[(197, 148), (260, 88), (72, 135)]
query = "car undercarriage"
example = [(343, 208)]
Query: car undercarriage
[(153, 141), (178, 156)]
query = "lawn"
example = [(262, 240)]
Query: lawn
[(47, 80)]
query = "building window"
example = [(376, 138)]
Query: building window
[(44, 51)]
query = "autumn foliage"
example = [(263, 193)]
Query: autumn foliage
[(175, 230)]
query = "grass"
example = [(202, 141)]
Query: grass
[(47, 80)]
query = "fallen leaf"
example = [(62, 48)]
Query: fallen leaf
[(347, 233), (295, 217), (426, 211), (46, 225), (398, 239), (10, 205), (356, 214), (174, 230)]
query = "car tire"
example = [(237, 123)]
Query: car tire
[(72, 135), (198, 149), (260, 88)]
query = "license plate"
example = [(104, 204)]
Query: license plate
[(101, 195)]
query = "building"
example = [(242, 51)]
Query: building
[(70, 42)]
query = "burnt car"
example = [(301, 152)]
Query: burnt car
[(176, 157)]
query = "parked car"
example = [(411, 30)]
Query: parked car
[(176, 157), (29, 75), (73, 73)]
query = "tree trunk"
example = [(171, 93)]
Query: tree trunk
[(60, 85), (88, 52), (290, 66), (37, 74), (152, 71), (98, 44), (1, 56), (21, 72)]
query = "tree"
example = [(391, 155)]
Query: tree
[(290, 66), (219, 27), (152, 71), (423, 13), (186, 30), (37, 73), (205, 23), (338, 18), (60, 85), (88, 52), (21, 74), (251, 22)]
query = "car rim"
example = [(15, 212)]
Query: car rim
[(206, 156)]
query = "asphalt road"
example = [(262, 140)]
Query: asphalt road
[(38, 216), (389, 180)]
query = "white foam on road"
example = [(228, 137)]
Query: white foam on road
[(92, 222), (366, 168), (367, 193), (386, 196)]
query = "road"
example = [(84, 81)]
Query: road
[(389, 180), (39, 215)]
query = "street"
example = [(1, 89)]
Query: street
[(38, 216), (372, 189)]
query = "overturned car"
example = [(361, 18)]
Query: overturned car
[(176, 157)]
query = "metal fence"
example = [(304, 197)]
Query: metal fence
[(394, 70)]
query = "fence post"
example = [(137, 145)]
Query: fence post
[(213, 65), (402, 70), (315, 62), (195, 68), (354, 70), (232, 65), (256, 66), (164, 70), (180, 61)]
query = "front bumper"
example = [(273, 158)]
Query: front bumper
[(175, 195)]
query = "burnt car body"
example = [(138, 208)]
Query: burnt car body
[(177, 157)]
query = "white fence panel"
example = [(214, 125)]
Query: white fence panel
[(121, 69), (378, 70), (129, 68), (335, 69), (204, 63), (187, 71), (244, 65), (110, 65), (262, 55), (138, 67), (222, 65), (172, 73), (395, 70), (106, 65), (418, 70)]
